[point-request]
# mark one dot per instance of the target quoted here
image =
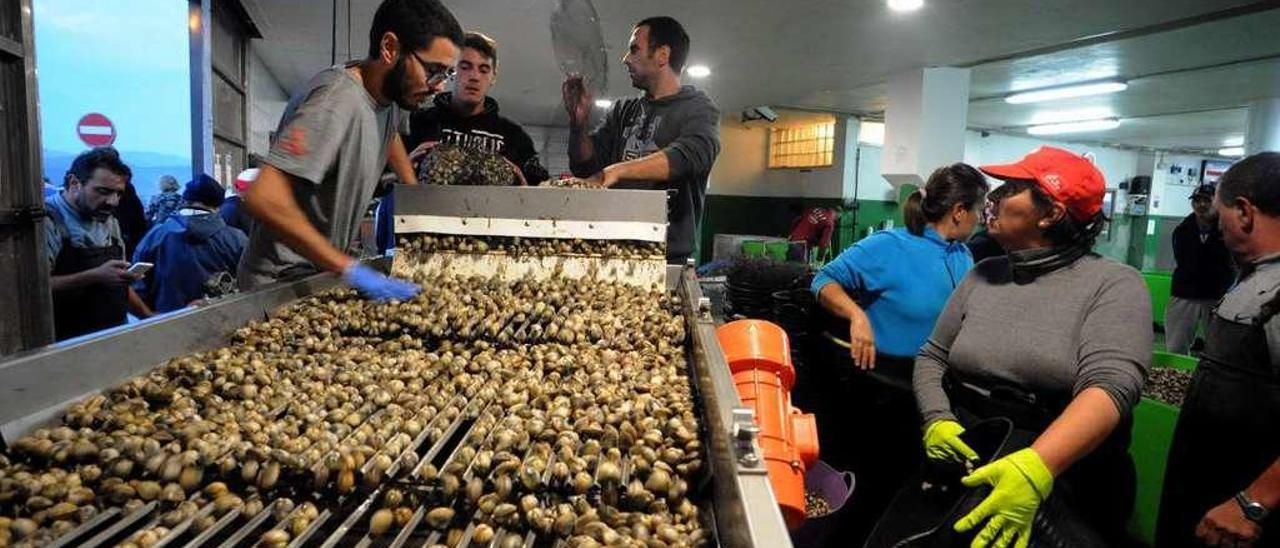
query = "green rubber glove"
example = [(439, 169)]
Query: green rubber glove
[(942, 442), (1019, 483)]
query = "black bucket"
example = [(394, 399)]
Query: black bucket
[(923, 514)]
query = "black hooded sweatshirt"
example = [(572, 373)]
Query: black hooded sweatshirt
[(487, 131), (685, 127)]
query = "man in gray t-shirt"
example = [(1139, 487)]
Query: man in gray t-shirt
[(666, 140), (334, 140)]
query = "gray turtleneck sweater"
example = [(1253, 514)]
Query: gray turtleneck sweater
[(1085, 325)]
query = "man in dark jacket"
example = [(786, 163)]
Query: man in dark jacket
[(1202, 275), (189, 248), (666, 139), (469, 118), (131, 215)]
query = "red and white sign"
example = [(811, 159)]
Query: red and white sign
[(96, 130)]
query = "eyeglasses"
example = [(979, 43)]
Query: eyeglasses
[(436, 72)]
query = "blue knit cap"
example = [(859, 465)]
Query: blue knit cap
[(205, 190)]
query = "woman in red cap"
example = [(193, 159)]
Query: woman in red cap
[(1052, 336)]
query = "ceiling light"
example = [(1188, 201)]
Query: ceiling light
[(699, 71), (604, 103), (1075, 127), (1233, 142), (1234, 152), (1075, 115), (906, 5), (1067, 92)]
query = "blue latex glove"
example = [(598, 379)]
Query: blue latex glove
[(374, 286)]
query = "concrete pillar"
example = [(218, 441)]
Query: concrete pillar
[(1264, 126), (924, 123)]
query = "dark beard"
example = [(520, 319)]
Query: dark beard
[(394, 88)]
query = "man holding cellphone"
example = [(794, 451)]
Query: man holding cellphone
[(90, 279)]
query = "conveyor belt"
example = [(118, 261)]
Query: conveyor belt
[(739, 510)]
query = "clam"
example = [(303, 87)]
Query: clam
[(275, 538), (380, 522), (439, 518)]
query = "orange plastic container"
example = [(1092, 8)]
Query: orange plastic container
[(759, 357)]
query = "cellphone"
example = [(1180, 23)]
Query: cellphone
[(139, 270)]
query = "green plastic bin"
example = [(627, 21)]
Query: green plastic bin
[(777, 250), (1159, 284), (1175, 361), (753, 248), (1153, 426)]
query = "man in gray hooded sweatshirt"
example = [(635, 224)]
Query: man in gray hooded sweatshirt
[(666, 139)]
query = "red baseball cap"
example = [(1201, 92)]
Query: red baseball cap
[(1066, 176)]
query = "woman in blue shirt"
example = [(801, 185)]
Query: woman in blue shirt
[(892, 285)]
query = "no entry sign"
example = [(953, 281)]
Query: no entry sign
[(96, 130)]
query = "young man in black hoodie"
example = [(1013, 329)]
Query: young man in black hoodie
[(666, 139), (1202, 274), (468, 117)]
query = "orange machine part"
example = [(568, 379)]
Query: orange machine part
[(759, 357)]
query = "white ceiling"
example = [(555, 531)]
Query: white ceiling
[(834, 55)]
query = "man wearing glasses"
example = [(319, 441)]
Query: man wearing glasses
[(333, 142)]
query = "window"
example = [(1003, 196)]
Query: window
[(129, 62), (802, 146), (871, 133)]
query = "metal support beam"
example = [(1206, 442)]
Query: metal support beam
[(199, 19), (25, 301)]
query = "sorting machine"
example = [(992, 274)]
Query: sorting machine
[(737, 503)]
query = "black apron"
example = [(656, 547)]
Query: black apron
[(87, 309), (1228, 430), (1098, 490)]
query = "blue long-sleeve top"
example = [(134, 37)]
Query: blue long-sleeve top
[(901, 281)]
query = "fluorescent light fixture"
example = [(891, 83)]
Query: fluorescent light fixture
[(1075, 115), (1234, 152), (1233, 142), (906, 5), (604, 103), (1075, 127), (699, 71), (1066, 92), (871, 133)]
